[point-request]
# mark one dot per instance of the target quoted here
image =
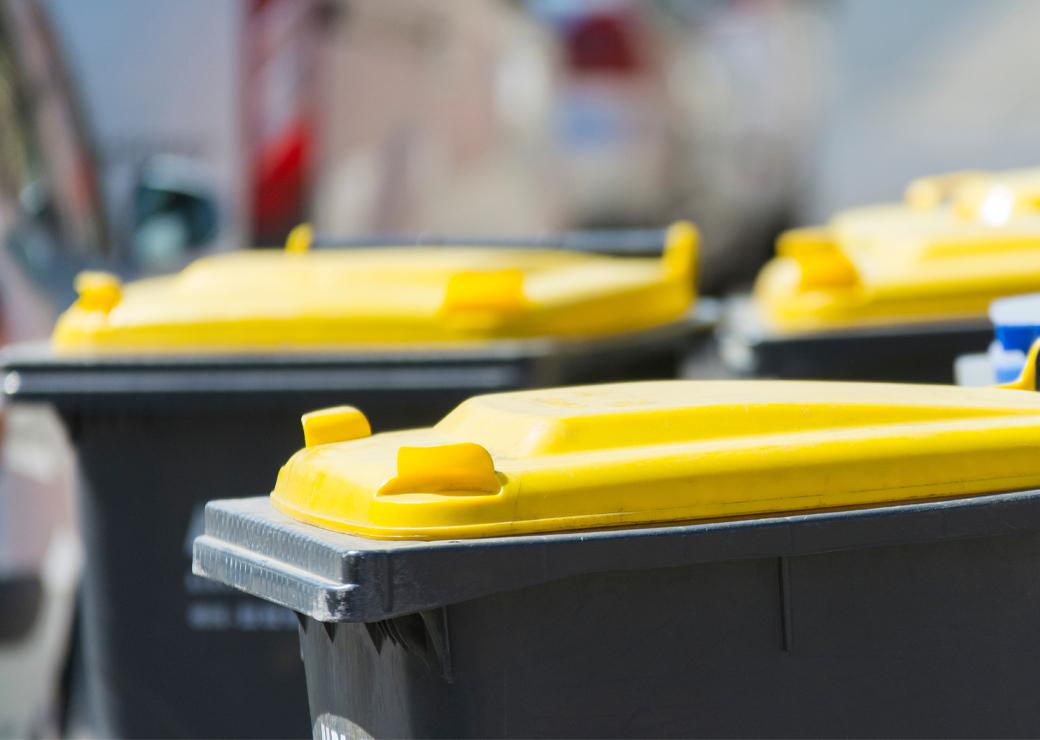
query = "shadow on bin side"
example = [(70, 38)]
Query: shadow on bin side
[(866, 613), (170, 654)]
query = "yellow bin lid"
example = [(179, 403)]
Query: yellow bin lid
[(660, 452), (299, 299), (957, 243)]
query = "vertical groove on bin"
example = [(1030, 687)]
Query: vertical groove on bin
[(388, 583), (784, 582)]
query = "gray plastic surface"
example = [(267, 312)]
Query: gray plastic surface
[(334, 577), (916, 620), (922, 353)]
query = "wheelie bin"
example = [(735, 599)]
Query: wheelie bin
[(661, 559), (174, 387), (1016, 325), (891, 292)]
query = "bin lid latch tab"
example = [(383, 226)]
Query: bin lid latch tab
[(336, 424)]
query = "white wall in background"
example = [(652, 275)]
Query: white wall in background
[(924, 87)]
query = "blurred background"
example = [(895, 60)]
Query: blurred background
[(136, 135), (144, 133)]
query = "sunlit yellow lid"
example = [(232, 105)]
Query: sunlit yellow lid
[(303, 299), (957, 243), (660, 452)]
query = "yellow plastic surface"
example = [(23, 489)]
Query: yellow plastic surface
[(303, 299), (337, 424), (957, 243), (664, 452)]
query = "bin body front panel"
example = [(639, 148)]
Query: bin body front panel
[(931, 640)]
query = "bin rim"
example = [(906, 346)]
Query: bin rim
[(33, 372), (337, 577)]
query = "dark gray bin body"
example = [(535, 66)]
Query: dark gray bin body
[(916, 620), (166, 653), (912, 353)]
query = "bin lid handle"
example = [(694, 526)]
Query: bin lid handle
[(300, 239), (463, 467), (336, 424)]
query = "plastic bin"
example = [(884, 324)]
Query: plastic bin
[(892, 292), (175, 387), (1016, 323), (671, 559)]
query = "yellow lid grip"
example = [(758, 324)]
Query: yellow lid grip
[(300, 239), (926, 193), (500, 291), (821, 263), (336, 424), (680, 249), (98, 291), (1026, 380), (460, 468), (806, 240)]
